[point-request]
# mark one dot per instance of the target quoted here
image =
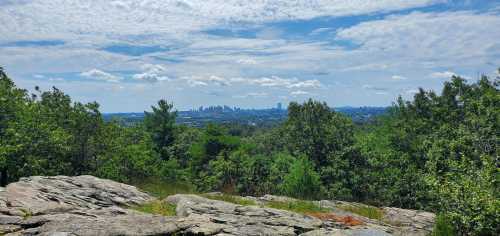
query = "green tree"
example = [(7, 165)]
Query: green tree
[(214, 144), (12, 102), (327, 139), (161, 124)]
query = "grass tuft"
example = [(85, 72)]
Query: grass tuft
[(299, 206), (26, 213), (366, 211), (157, 208), (230, 198)]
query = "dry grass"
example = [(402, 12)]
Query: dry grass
[(157, 208), (366, 211), (298, 206), (346, 220)]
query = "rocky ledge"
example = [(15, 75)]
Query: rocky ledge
[(86, 205)]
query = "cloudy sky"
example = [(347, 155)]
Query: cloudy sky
[(127, 54)]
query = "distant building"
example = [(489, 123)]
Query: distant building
[(279, 106)]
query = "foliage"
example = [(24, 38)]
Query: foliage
[(302, 181), (161, 125), (327, 139), (443, 227)]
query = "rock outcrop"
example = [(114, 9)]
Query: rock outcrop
[(85, 205)]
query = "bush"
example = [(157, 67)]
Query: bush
[(302, 181), (443, 226)]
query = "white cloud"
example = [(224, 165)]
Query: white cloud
[(195, 81), (38, 76), (299, 93), (398, 77), (152, 73), (246, 61), (306, 84), (56, 79), (100, 75), (375, 88), (272, 81), (149, 77), (252, 95), (411, 91), (427, 39), (39, 18), (275, 81), (442, 75), (320, 31), (410, 44), (152, 68)]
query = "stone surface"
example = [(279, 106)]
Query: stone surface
[(85, 205)]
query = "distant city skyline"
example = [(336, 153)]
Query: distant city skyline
[(128, 54)]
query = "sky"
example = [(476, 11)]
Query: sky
[(128, 54)]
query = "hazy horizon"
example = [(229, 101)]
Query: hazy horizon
[(128, 54)]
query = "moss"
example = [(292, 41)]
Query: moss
[(230, 198), (299, 206), (366, 211), (157, 207)]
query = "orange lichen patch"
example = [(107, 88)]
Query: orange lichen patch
[(346, 220)]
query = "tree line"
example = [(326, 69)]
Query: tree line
[(437, 152)]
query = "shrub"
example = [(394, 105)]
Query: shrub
[(443, 226), (302, 181)]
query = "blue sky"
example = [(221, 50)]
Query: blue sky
[(127, 54)]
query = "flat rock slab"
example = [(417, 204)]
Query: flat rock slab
[(86, 205)]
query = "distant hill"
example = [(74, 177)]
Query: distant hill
[(255, 117)]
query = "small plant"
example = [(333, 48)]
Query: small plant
[(26, 213), (299, 206), (366, 211), (230, 198), (157, 207), (443, 226)]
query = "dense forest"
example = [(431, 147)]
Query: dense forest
[(438, 152)]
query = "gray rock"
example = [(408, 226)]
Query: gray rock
[(85, 205), (40, 194)]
